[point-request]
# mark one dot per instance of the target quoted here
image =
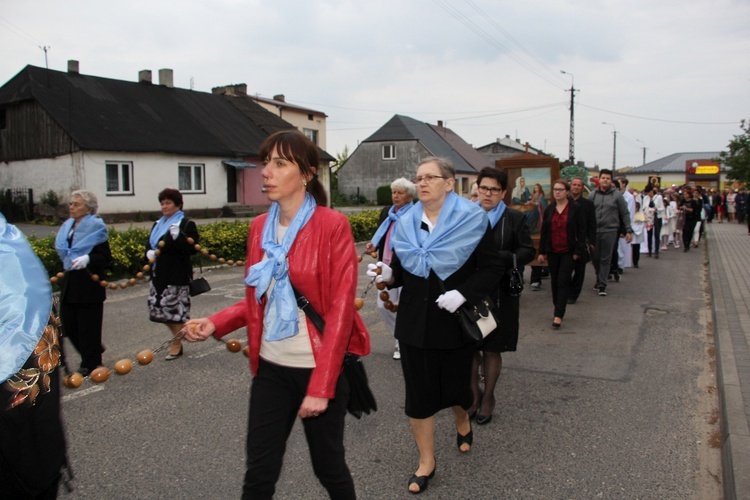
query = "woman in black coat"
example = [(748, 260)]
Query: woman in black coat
[(511, 236), (169, 252), (562, 242)]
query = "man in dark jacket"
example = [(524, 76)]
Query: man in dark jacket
[(579, 266), (611, 210)]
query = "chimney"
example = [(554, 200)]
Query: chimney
[(72, 67), (166, 77), (279, 97), (440, 123), (238, 89), (144, 76)]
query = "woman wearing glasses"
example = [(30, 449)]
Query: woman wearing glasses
[(563, 241), (512, 238), (443, 256)]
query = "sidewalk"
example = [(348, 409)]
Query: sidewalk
[(729, 277)]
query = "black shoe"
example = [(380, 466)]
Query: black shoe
[(85, 372), (484, 419), (170, 357), (467, 439), (617, 275), (421, 481), (602, 291)]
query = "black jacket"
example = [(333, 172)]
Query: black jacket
[(173, 265), (77, 287), (576, 230), (420, 322), (590, 217)]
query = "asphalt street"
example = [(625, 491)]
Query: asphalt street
[(620, 403)]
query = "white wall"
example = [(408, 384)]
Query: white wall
[(152, 172)]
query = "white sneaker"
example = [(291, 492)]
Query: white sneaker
[(397, 354)]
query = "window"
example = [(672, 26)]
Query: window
[(311, 134), (119, 177), (389, 151), (190, 178)]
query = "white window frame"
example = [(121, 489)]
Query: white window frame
[(390, 148), (311, 134), (197, 175), (124, 180)]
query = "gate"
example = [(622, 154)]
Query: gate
[(17, 204)]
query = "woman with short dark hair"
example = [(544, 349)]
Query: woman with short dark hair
[(169, 252)]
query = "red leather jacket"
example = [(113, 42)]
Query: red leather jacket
[(323, 267)]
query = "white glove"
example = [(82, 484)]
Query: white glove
[(386, 273), (450, 301), (151, 255), (80, 262), (174, 230)]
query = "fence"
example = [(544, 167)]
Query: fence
[(17, 204)]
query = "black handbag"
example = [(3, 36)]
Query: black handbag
[(515, 287), (476, 321), (361, 398), (199, 285)]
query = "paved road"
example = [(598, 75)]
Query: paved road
[(620, 403)]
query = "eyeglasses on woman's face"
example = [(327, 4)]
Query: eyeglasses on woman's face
[(558, 189), (429, 179), (489, 190)]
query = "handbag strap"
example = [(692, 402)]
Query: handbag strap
[(309, 310)]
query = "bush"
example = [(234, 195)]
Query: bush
[(364, 224), (384, 195)]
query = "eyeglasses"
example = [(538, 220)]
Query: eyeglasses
[(427, 178), (490, 190), (559, 189)]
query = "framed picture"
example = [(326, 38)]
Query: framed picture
[(530, 179)]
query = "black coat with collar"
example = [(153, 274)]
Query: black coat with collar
[(420, 322), (173, 265), (576, 230), (77, 287)]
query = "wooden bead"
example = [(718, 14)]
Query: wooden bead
[(388, 304), (359, 303), (197, 247), (103, 284), (73, 381), (384, 296), (394, 308), (380, 286), (146, 268), (374, 255), (230, 262), (213, 257), (234, 345), (94, 277), (145, 356), (222, 260), (240, 263), (190, 240), (124, 285), (53, 279), (139, 275), (157, 251), (359, 258), (123, 366), (60, 275), (100, 374), (113, 286), (160, 245), (132, 281), (204, 252)]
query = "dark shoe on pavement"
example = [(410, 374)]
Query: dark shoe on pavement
[(602, 291)]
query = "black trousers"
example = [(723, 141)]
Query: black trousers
[(82, 324), (576, 282), (687, 233), (636, 249), (560, 271), (275, 397), (654, 237)]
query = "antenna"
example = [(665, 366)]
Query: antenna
[(45, 48)]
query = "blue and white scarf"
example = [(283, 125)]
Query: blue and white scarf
[(91, 231), (162, 226), (281, 318), (25, 300), (496, 213), (459, 229), (393, 216)]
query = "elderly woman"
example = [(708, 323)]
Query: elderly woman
[(299, 244), (443, 256), (511, 236), (83, 246), (403, 192), (169, 252), (562, 242)]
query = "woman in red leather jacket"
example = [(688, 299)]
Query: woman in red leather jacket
[(297, 369)]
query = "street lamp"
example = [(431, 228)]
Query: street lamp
[(614, 147), (644, 150), (571, 142)]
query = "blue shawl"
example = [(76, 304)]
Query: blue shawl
[(459, 229), (393, 216), (25, 300), (91, 231), (281, 319), (162, 226)]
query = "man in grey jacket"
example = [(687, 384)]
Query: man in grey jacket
[(612, 219)]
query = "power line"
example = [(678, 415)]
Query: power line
[(657, 119), (18, 31)]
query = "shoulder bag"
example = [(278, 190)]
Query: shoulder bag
[(361, 398), (515, 287), (199, 285), (476, 321)]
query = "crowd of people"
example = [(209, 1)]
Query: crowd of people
[(437, 253)]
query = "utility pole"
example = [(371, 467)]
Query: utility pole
[(614, 148), (571, 141), (644, 150)]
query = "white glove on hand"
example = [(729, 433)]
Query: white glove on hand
[(80, 262), (151, 255), (386, 273), (450, 301), (174, 230)]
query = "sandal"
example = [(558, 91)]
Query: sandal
[(421, 481)]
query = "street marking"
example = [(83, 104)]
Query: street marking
[(84, 392)]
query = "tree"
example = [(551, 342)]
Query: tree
[(738, 156)]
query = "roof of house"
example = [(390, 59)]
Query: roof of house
[(511, 144), (438, 140), (674, 163), (116, 115), (281, 103)]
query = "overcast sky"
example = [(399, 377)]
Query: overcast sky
[(670, 75)]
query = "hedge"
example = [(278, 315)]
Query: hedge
[(223, 239)]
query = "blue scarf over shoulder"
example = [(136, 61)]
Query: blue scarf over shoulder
[(459, 229), (25, 300), (91, 231), (162, 226), (281, 319), (393, 216)]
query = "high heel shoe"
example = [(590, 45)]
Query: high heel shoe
[(555, 324), (421, 481), (486, 419), (467, 439), (170, 357)]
